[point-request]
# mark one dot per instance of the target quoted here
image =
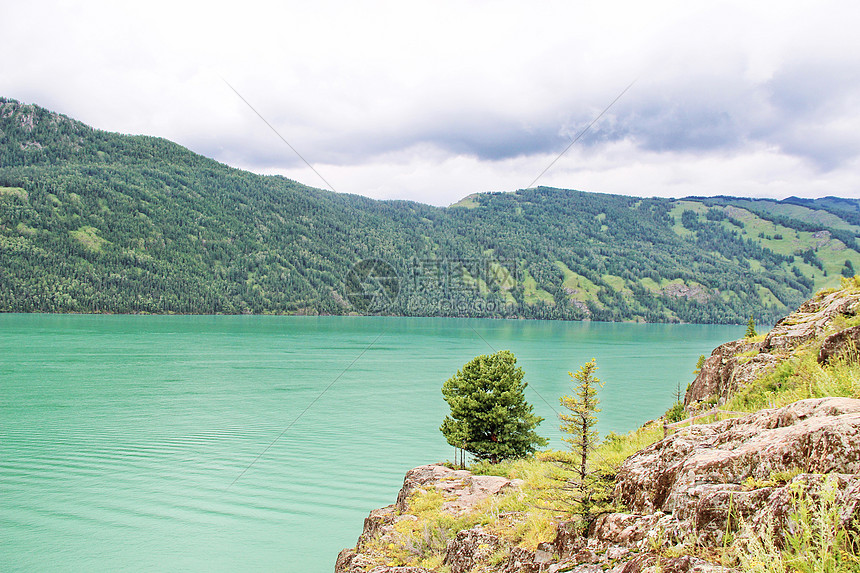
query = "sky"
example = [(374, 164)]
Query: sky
[(433, 101)]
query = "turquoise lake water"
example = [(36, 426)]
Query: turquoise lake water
[(233, 443)]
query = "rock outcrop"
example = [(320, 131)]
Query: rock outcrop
[(469, 548), (477, 550), (461, 488), (693, 481), (842, 345), (733, 365), (811, 320), (690, 292)]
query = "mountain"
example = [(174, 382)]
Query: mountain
[(92, 221)]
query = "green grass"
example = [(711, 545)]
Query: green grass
[(468, 202), (832, 254), (798, 378), (616, 448), (88, 237), (767, 297), (502, 276), (515, 516), (14, 192), (776, 479), (815, 542), (585, 290), (680, 207), (649, 284), (814, 216), (800, 213), (617, 283), (532, 293)]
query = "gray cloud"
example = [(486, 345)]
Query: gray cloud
[(434, 102), (814, 111)]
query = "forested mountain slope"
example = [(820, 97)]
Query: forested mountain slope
[(92, 221)]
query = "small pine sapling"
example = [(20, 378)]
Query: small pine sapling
[(587, 494), (751, 333)]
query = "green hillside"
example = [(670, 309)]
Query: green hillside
[(92, 221)]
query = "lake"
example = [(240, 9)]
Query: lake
[(254, 443)]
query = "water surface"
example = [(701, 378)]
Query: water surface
[(229, 443)]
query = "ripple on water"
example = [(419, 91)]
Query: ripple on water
[(212, 444)]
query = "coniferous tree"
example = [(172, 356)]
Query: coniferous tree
[(751, 333), (582, 418), (490, 417), (699, 363), (455, 432), (585, 492)]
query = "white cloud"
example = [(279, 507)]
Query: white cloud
[(433, 101)]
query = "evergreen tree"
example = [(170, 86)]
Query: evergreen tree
[(490, 417), (455, 433), (699, 363), (751, 333), (585, 492), (579, 423)]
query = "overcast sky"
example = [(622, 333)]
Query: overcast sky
[(433, 101)]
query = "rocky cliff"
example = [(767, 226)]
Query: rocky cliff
[(734, 365), (688, 499), (699, 479)]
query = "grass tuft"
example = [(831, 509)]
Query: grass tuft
[(798, 378), (815, 540)]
